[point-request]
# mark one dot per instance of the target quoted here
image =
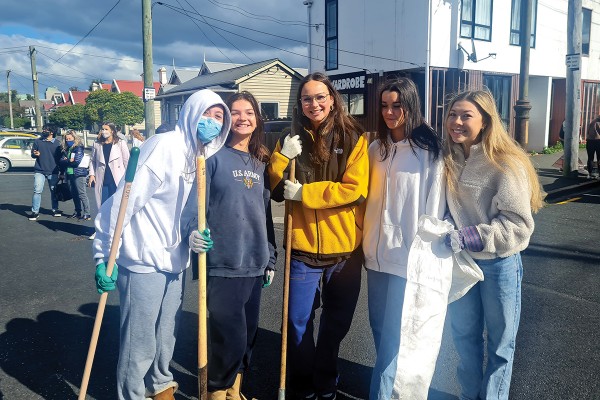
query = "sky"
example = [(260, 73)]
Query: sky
[(77, 41)]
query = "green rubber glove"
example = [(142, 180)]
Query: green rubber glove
[(106, 283), (268, 277)]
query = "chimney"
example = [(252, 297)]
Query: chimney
[(162, 75)]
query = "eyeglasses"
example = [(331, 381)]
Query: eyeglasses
[(308, 100)]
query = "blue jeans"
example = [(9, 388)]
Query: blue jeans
[(386, 297), (495, 302), (38, 187), (312, 367), (78, 191)]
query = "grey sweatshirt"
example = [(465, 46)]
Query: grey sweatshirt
[(496, 202)]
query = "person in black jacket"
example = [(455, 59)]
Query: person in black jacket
[(46, 151), (72, 155)]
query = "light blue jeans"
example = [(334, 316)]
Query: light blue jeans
[(38, 187), (386, 297), (495, 302)]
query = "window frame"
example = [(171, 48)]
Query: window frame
[(518, 31), (472, 22), (329, 40)]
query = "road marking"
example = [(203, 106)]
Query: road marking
[(570, 200)]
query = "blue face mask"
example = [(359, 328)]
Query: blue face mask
[(208, 129), (70, 143)]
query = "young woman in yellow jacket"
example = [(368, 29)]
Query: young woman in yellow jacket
[(332, 172)]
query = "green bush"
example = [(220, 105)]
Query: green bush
[(554, 149)]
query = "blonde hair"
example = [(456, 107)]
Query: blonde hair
[(499, 148), (77, 140), (136, 134)]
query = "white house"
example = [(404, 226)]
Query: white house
[(449, 45)]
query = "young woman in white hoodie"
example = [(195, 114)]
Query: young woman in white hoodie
[(154, 251), (405, 182)]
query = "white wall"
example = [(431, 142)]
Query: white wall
[(540, 91), (546, 59), (384, 29)]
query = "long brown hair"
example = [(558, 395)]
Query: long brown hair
[(337, 123), (408, 97), (500, 149), (113, 130), (256, 145)]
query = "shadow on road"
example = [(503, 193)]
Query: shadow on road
[(18, 209), (47, 355)]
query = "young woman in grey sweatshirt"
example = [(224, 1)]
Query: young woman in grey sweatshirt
[(492, 190)]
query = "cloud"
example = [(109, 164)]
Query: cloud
[(114, 46)]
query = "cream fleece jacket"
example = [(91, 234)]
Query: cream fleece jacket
[(496, 202)]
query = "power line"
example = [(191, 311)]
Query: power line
[(214, 30), (66, 65), (205, 35), (293, 40), (232, 7), (90, 31), (286, 38)]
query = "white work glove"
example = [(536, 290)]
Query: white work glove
[(200, 242), (292, 146), (292, 191), (268, 277)]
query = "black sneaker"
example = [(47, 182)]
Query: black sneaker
[(86, 217), (33, 216), (74, 215), (56, 213), (328, 396)]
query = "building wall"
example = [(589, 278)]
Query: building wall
[(546, 59), (385, 29), (275, 86)]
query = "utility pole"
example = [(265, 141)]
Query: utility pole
[(12, 125), (149, 91), (523, 105), (573, 100), (36, 95)]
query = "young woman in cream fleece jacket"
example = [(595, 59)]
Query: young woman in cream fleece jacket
[(492, 189), (405, 182)]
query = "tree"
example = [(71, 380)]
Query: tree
[(120, 108), (71, 117)]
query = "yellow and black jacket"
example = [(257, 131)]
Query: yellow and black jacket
[(327, 225)]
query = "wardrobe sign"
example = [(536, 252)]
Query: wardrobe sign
[(349, 83)]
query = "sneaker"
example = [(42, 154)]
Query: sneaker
[(74, 215), (93, 236), (34, 216), (56, 213), (85, 217)]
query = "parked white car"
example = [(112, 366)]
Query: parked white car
[(15, 151)]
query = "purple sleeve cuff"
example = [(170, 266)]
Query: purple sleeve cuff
[(471, 238)]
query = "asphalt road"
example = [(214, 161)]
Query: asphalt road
[(48, 303)]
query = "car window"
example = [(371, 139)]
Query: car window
[(13, 144)]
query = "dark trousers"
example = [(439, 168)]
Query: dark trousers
[(312, 367), (233, 306), (593, 147)]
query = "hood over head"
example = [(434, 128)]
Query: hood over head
[(190, 115)]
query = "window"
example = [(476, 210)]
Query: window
[(354, 103), (331, 34), (269, 110), (499, 86), (515, 23), (476, 19), (177, 109), (585, 32)]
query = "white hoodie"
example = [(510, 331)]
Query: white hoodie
[(152, 230), (408, 184)]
